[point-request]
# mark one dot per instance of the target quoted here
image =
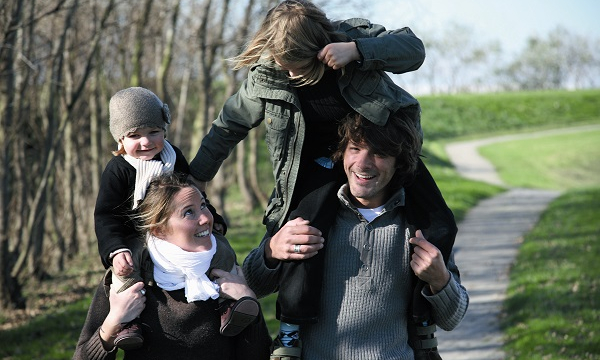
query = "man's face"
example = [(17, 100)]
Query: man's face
[(368, 174)]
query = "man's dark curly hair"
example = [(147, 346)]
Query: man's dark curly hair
[(399, 138)]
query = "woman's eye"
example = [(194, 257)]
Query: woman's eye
[(188, 213), (203, 206)]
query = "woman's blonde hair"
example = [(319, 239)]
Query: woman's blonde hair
[(156, 208), (292, 34)]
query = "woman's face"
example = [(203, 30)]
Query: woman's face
[(190, 223)]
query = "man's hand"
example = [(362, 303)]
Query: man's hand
[(296, 240), (428, 264)]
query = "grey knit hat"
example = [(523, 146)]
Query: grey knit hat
[(134, 108)]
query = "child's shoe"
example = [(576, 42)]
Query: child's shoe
[(236, 315), (130, 337), (280, 352)]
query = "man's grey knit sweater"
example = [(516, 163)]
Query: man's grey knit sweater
[(367, 287)]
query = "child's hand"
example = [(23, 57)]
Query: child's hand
[(123, 264), (336, 55)]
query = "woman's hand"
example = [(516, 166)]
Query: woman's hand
[(296, 240), (232, 284), (428, 264), (124, 307), (339, 54)]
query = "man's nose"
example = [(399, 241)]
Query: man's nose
[(365, 159)]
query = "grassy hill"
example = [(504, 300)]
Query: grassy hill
[(478, 115)]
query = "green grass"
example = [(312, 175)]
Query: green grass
[(50, 336), (468, 115), (553, 303), (552, 309), (554, 162)]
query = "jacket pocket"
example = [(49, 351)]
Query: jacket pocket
[(277, 120)]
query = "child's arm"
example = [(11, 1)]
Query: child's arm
[(113, 223)]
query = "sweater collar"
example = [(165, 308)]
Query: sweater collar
[(396, 200)]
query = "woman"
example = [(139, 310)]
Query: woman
[(179, 241)]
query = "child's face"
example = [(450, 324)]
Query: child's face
[(144, 143), (190, 223), (294, 69)]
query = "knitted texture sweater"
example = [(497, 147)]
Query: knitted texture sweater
[(367, 287)]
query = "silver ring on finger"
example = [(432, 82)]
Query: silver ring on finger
[(143, 291), (297, 248)]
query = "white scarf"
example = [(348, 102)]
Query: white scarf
[(175, 268), (147, 169)]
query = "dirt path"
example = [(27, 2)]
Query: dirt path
[(486, 246)]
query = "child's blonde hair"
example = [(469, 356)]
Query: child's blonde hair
[(292, 34)]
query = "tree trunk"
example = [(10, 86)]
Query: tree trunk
[(249, 199), (201, 121), (138, 52), (182, 103), (253, 170), (167, 57), (10, 289)]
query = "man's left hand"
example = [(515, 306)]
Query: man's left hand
[(428, 264)]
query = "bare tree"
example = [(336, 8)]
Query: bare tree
[(167, 55), (456, 61), (561, 60), (10, 292), (142, 24)]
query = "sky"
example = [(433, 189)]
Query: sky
[(509, 21)]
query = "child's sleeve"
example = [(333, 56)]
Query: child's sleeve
[(113, 222)]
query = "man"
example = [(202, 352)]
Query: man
[(375, 255)]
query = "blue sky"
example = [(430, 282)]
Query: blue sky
[(509, 21)]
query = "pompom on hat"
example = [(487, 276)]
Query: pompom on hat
[(134, 108)]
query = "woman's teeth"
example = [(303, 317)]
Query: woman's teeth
[(202, 233)]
